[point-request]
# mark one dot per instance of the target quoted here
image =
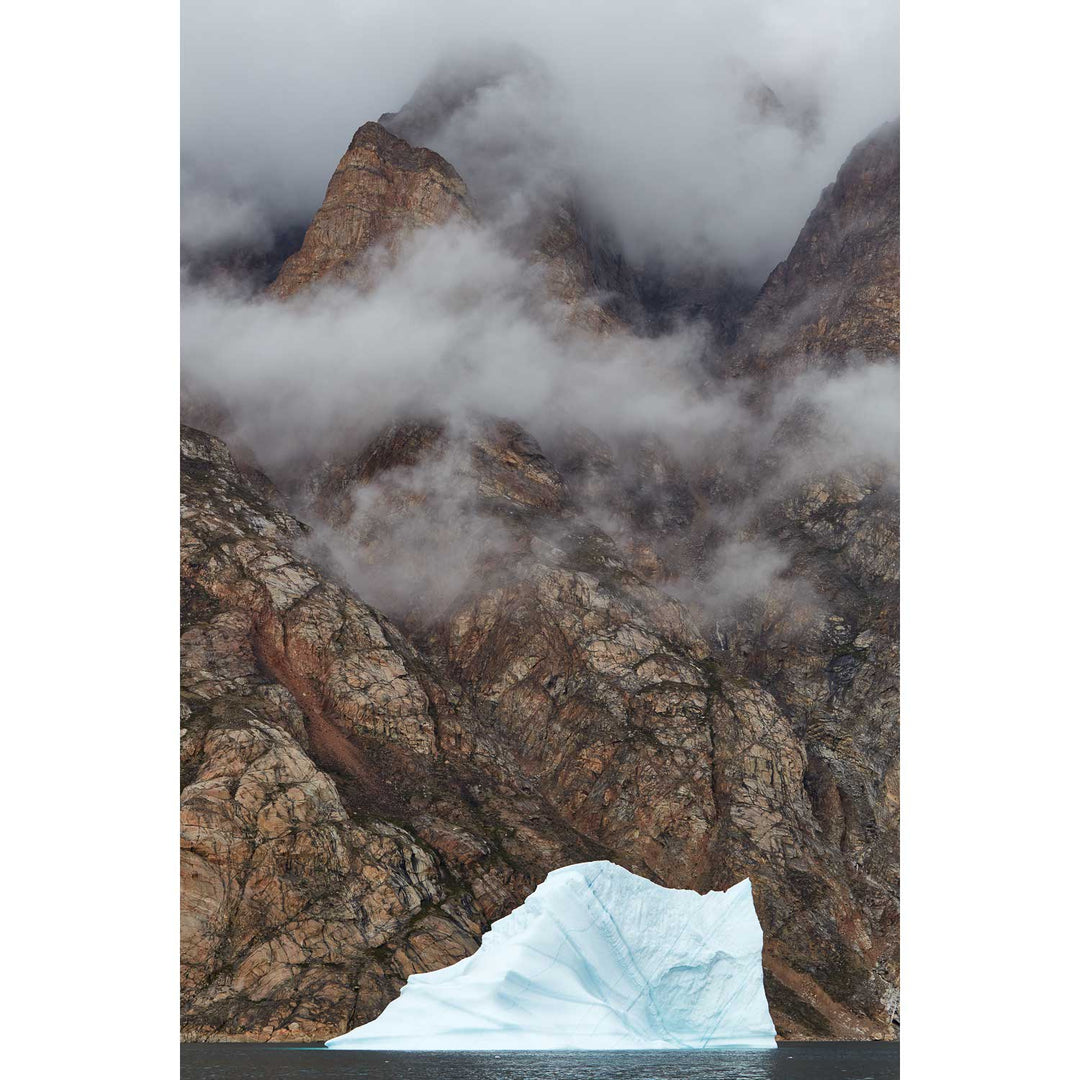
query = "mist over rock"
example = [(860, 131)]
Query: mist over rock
[(495, 112), (838, 291)]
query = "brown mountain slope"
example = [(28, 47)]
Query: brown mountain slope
[(355, 809), (384, 188), (832, 663), (345, 818)]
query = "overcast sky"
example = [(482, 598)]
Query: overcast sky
[(646, 105)]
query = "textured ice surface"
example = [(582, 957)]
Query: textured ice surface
[(596, 958)]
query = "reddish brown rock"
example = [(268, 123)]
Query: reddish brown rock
[(382, 189), (344, 820), (355, 809), (658, 748)]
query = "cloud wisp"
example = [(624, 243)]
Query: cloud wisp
[(457, 329)]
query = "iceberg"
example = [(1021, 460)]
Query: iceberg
[(596, 958)]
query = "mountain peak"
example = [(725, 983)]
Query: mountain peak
[(394, 150), (382, 189)]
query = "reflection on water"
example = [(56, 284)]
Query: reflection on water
[(792, 1061)]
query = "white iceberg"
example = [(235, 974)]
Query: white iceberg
[(596, 958)]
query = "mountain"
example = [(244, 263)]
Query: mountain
[(367, 786)]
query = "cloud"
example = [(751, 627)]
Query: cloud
[(656, 113), (212, 218), (460, 328), (458, 324), (415, 543)]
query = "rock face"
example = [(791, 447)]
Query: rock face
[(356, 809), (381, 189), (560, 247), (344, 823), (839, 289), (364, 794)]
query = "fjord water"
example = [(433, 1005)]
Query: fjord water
[(790, 1061)]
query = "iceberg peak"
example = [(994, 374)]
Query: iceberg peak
[(596, 958)]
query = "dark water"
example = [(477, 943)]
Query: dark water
[(792, 1061)]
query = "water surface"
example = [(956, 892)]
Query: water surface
[(791, 1061)]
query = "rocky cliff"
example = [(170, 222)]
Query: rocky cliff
[(363, 794), (838, 291), (347, 817)]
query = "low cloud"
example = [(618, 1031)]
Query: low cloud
[(213, 219), (415, 543), (459, 328), (457, 324), (696, 133)]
